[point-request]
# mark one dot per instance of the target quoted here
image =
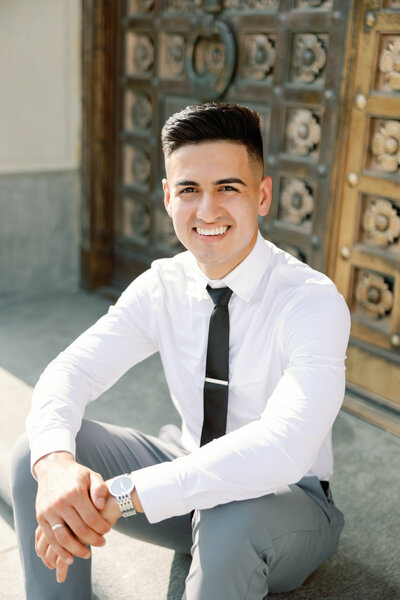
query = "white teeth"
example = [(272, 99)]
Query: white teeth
[(215, 231)]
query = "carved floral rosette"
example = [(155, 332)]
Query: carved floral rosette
[(175, 55), (389, 64), (303, 132), (141, 167), (182, 5), (136, 220), (374, 295), (385, 146), (309, 57), (143, 54), (260, 56), (296, 201), (381, 222), (141, 111), (307, 4), (143, 6), (251, 4)]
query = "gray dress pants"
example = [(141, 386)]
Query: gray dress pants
[(240, 551)]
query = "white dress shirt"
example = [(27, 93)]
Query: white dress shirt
[(289, 330)]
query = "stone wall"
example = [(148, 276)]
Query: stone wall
[(40, 132)]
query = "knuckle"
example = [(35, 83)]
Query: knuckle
[(62, 535), (58, 504), (91, 520), (40, 516), (81, 531), (105, 528)]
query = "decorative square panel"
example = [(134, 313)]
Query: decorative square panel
[(178, 6), (391, 4), (302, 133), (136, 166), (258, 57), (135, 220), (379, 222), (373, 298), (138, 7), (384, 146), (296, 202), (308, 58), (139, 57), (387, 72), (313, 4), (172, 56), (138, 111), (249, 5)]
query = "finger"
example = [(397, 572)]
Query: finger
[(98, 491), (75, 517), (50, 558), (41, 547), (95, 523), (65, 544), (61, 571)]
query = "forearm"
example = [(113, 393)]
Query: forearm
[(257, 459)]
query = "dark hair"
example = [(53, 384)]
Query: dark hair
[(213, 121)]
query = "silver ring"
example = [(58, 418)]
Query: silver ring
[(57, 525)]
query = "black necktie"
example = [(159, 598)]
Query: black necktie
[(216, 383)]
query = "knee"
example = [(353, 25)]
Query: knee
[(232, 530), (20, 474)]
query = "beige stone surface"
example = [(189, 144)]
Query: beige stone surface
[(17, 395), (40, 85), (11, 587)]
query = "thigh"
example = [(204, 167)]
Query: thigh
[(306, 538), (282, 537), (111, 450)]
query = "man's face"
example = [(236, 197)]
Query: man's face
[(214, 193)]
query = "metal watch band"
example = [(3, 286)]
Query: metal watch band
[(126, 506)]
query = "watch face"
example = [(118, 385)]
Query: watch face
[(121, 485)]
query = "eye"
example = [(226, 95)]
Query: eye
[(188, 190), (228, 188)]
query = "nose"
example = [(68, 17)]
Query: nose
[(209, 209)]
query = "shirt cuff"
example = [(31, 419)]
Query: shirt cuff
[(55, 440), (159, 492)]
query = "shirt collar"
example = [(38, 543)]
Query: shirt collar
[(244, 279)]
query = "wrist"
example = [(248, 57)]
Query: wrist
[(123, 495), (54, 458), (136, 501)]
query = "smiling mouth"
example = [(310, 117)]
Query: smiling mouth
[(214, 231)]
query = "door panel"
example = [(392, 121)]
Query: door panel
[(331, 131), (368, 266), (284, 59)]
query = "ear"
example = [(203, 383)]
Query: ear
[(265, 196), (167, 197)]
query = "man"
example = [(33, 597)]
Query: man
[(254, 457)]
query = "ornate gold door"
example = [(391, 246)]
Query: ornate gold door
[(324, 75), (367, 268), (283, 58)]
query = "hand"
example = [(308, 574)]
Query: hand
[(50, 558), (73, 495)]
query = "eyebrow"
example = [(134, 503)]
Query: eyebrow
[(225, 181)]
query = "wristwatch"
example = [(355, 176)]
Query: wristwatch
[(121, 487)]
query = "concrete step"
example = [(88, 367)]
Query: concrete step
[(365, 484)]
